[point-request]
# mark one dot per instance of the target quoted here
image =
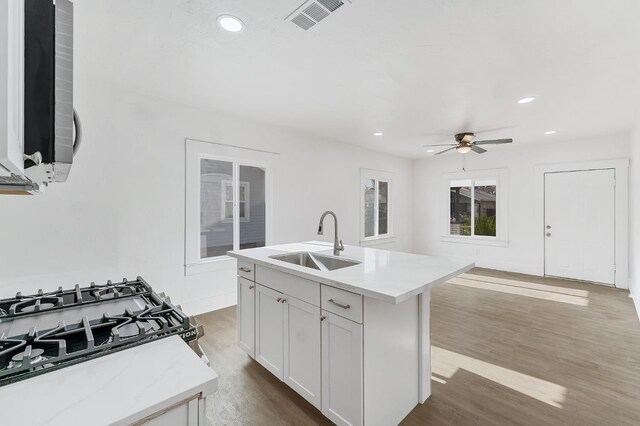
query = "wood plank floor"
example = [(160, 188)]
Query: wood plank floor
[(507, 349)]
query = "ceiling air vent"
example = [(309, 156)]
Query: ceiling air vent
[(332, 5), (311, 12)]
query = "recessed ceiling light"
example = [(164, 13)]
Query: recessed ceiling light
[(377, 134), (526, 100), (230, 23), (431, 150), (551, 132)]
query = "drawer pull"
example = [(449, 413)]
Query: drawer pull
[(322, 318), (283, 301), (243, 269), (279, 299), (251, 287), (340, 304)]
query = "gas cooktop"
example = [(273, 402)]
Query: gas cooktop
[(48, 331)]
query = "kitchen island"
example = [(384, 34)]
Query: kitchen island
[(349, 333), (158, 383)]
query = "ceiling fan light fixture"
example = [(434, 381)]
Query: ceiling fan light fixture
[(463, 149)]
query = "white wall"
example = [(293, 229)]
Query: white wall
[(520, 254), (121, 213), (634, 201)]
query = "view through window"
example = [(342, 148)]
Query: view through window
[(376, 207), (473, 207), (232, 207)]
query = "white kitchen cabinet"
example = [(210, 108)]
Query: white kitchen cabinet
[(270, 330), (246, 316), (302, 349), (189, 413), (342, 370)]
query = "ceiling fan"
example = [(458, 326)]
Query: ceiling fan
[(466, 142)]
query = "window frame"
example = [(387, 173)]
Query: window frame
[(501, 177), (195, 151), (378, 176)]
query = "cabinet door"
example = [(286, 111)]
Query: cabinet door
[(246, 316), (270, 330), (302, 349), (342, 387)]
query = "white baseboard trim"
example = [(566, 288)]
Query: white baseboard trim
[(635, 297), (208, 304)]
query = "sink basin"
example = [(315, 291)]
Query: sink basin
[(315, 261)]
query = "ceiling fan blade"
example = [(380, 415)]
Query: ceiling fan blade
[(478, 150), (446, 150), (493, 142), (441, 144)]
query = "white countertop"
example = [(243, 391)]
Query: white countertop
[(114, 389), (386, 275)]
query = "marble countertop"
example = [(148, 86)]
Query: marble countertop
[(386, 275), (115, 389)]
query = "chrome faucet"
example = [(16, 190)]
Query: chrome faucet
[(337, 244)]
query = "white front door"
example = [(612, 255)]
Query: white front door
[(580, 225)]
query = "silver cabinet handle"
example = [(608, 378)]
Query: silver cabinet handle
[(279, 299), (340, 304), (251, 287), (283, 300), (322, 318), (244, 269)]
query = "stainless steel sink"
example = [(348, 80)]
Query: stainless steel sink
[(315, 261)]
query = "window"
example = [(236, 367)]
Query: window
[(473, 207), (376, 212), (244, 201), (227, 199)]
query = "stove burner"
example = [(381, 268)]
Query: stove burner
[(132, 329), (43, 306), (36, 356), (89, 335), (43, 302)]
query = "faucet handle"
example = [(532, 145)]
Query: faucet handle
[(341, 246)]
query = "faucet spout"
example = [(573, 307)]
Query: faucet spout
[(337, 243)]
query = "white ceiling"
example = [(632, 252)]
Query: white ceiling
[(408, 68)]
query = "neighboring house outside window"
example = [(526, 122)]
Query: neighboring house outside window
[(228, 202), (244, 201), (376, 196)]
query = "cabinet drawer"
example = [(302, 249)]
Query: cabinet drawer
[(291, 285), (246, 270), (341, 302)]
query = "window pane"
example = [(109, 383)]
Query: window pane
[(228, 192), (228, 210), (460, 210), (383, 212), (242, 192), (252, 210), (216, 236), (369, 207), (485, 208)]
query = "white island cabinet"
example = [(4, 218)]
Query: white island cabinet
[(354, 341)]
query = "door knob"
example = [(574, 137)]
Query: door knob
[(548, 234)]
